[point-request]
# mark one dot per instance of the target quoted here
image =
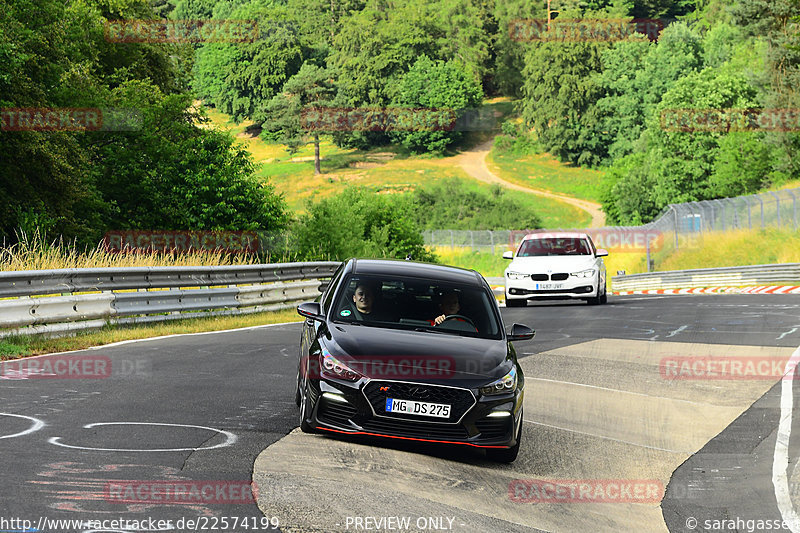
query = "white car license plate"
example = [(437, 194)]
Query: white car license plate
[(549, 286), (411, 407)]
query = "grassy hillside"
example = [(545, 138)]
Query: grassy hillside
[(543, 171), (386, 170)]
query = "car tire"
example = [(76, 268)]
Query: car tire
[(305, 427), (515, 303), (604, 297), (507, 455)]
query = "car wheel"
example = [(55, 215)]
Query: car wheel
[(305, 427), (507, 455), (515, 303), (604, 297), (297, 395)]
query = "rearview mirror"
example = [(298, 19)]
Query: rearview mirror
[(521, 332), (508, 255), (311, 310)]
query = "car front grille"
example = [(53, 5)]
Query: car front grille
[(561, 276), (539, 277), (421, 430), (460, 400)]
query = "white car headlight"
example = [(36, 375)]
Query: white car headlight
[(516, 275), (507, 383), (584, 273)]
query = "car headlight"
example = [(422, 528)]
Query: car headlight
[(516, 275), (333, 368), (584, 273), (506, 384)]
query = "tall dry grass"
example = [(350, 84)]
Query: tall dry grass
[(34, 252)]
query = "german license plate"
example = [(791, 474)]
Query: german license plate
[(411, 407), (549, 286)]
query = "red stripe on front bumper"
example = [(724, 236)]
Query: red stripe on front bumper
[(410, 438)]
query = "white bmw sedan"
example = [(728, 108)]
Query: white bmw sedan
[(555, 266)]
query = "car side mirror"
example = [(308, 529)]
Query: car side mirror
[(508, 254), (312, 310), (601, 253), (521, 332)]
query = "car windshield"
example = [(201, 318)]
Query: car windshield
[(414, 304), (554, 246)]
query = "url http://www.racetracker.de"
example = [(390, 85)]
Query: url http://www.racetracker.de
[(203, 523)]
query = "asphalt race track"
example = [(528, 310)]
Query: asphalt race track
[(618, 436)]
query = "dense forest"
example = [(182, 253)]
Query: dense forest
[(595, 102)]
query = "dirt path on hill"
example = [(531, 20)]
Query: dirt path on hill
[(473, 161)]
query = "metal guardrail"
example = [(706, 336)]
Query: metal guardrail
[(710, 277), (48, 301)]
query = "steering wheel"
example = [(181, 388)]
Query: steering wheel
[(462, 317)]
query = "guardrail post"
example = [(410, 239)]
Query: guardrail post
[(471, 240), (491, 239)]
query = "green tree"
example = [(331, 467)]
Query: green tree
[(438, 86), (239, 77), (635, 76), (359, 223), (285, 114), (450, 205), (559, 97)]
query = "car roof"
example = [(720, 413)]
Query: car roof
[(414, 269), (556, 235)]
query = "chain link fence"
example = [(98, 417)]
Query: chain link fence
[(676, 224)]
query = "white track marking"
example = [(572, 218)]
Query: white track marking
[(37, 425), (780, 463), (782, 335), (229, 440), (130, 341), (676, 331)]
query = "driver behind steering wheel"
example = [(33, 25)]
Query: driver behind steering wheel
[(448, 305)]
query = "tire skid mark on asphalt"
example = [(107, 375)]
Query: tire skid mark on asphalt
[(604, 437)]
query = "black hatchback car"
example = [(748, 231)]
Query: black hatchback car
[(412, 351)]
